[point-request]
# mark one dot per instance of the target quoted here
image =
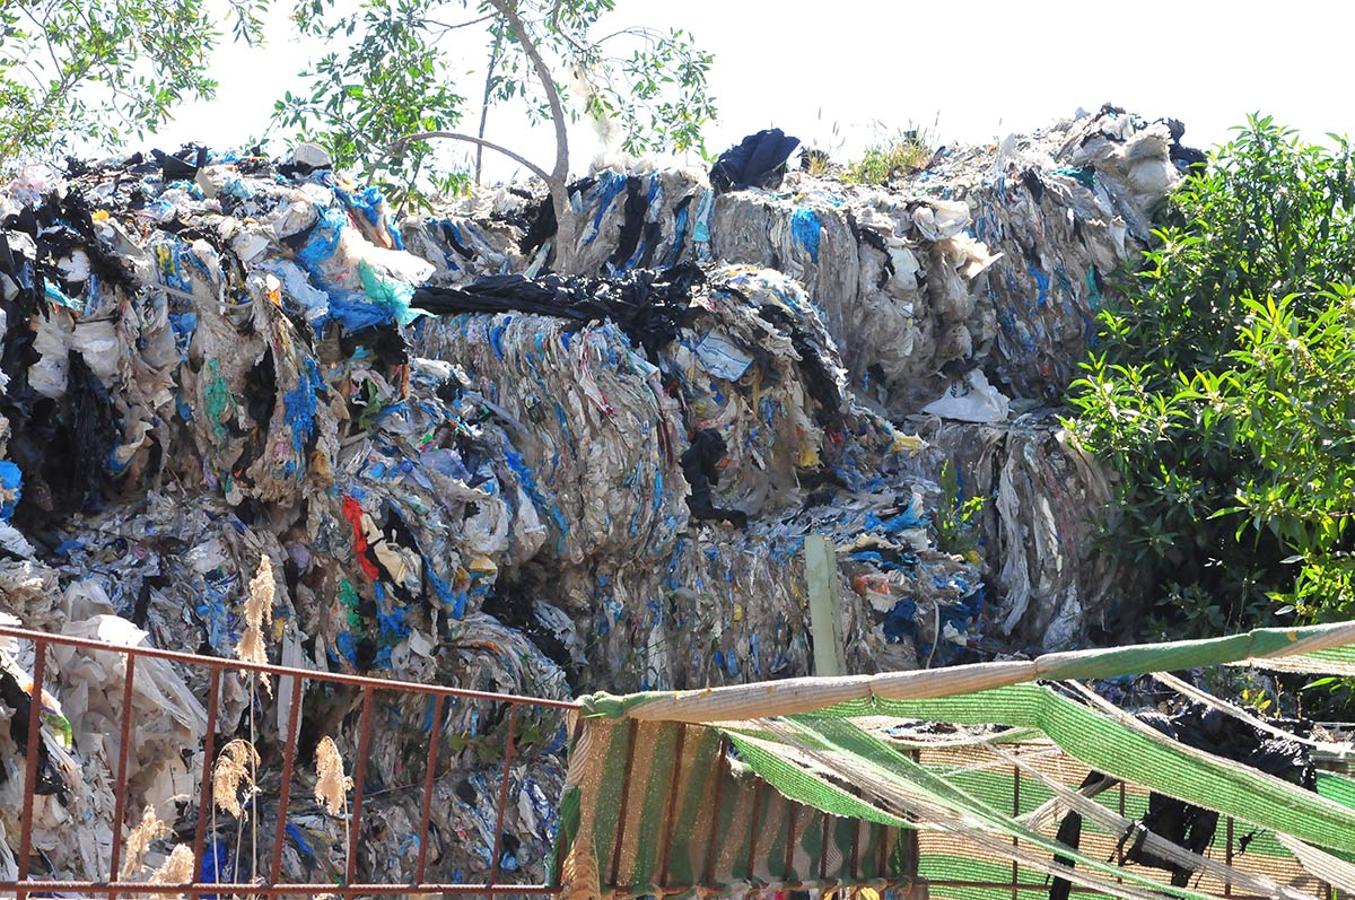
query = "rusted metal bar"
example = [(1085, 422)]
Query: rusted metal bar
[(671, 811), (276, 890), (31, 757), (914, 850), (788, 865), (120, 785), (709, 874), (1118, 879), (625, 800), (205, 791), (217, 662), (431, 766), (1228, 882), (1016, 813), (508, 749), (359, 783), (285, 790), (856, 848), (823, 854), (758, 793), (215, 666), (356, 890)]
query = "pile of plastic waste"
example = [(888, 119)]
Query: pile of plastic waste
[(961, 298), (465, 470), (204, 367)]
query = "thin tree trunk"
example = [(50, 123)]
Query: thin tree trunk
[(558, 177), (484, 104), (557, 181)]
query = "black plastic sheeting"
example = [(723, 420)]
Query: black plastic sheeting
[(758, 161), (649, 306)]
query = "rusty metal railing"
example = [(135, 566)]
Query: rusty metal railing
[(272, 886)]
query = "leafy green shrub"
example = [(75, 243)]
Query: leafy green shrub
[(882, 162), (1228, 413), (956, 518)]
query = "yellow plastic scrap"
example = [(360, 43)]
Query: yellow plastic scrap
[(809, 456), (908, 442), (483, 564)]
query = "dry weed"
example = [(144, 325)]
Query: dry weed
[(331, 784), (177, 869), (258, 612), (139, 840), (234, 767)]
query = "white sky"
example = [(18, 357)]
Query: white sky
[(978, 70)]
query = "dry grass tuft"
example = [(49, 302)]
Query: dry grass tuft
[(258, 612), (149, 830), (234, 767), (177, 869), (331, 784)]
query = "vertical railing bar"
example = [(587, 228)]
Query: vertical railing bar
[(671, 812), (120, 785), (882, 855), (1119, 879), (556, 872), (790, 839), (914, 840), (758, 793), (856, 849), (285, 789), (625, 800), (509, 747), (359, 783), (1016, 814), (205, 792), (31, 759), (1228, 882), (709, 874), (426, 809), (823, 854)]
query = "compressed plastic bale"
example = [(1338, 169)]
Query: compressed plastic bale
[(461, 246), (480, 654), (992, 256), (243, 420), (593, 432), (753, 361), (195, 361), (168, 720), (1047, 503), (73, 795), (627, 220)]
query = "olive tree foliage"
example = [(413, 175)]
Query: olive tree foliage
[(1221, 393), (388, 86), (82, 74)]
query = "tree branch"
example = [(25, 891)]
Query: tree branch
[(454, 26), (508, 9), (484, 104), (471, 139)]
